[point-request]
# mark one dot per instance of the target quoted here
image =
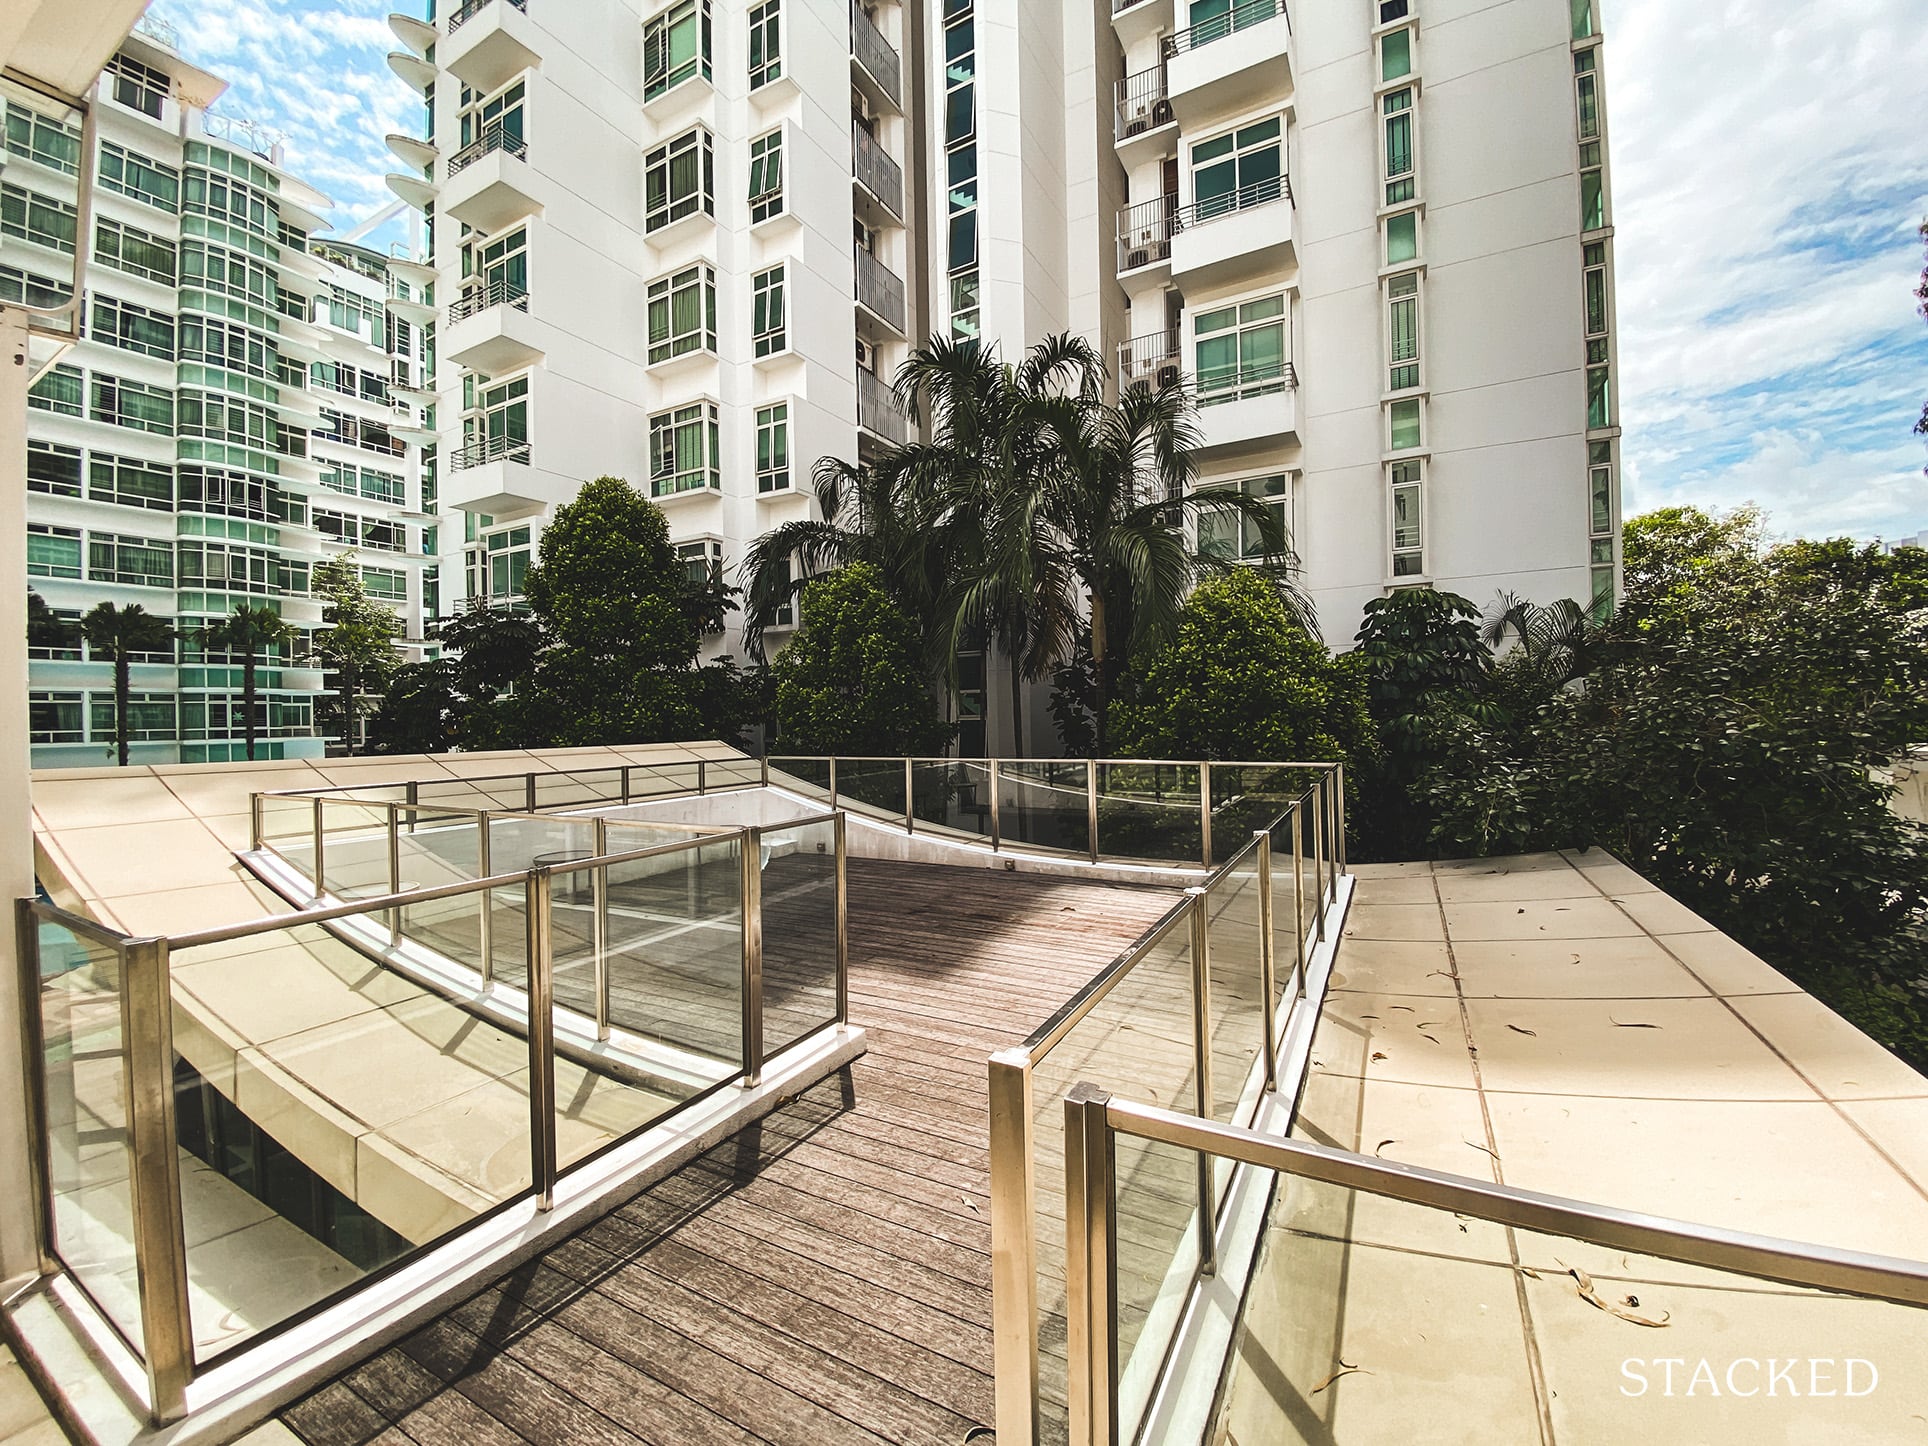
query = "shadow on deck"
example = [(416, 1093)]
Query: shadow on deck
[(821, 1277)]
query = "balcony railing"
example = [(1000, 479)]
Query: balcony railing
[(876, 54), (880, 289), (877, 169), (1236, 386), (1239, 17), (1258, 193), (1145, 232), (469, 9), (1143, 102), (497, 291), (495, 137), (1150, 358), (877, 408), (490, 449)]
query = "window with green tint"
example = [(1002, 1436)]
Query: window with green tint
[(1582, 19), (1240, 350), (1395, 54), (40, 219), (1402, 238), (53, 551), (1402, 419), (773, 447), (129, 249), (766, 176), (1234, 536), (1599, 398), (1600, 487), (965, 320), (1593, 277), (679, 179), (128, 482), (684, 450), (766, 43), (1402, 331), (59, 390), (1398, 108), (1408, 525), (1593, 201), (682, 314), (150, 716), (676, 47), (53, 469), (1242, 168), (133, 561), (503, 427), (768, 332), (134, 175), (131, 327), (45, 141), (1587, 97), (55, 717)]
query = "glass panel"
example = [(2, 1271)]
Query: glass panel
[(367, 1117), (656, 780), (675, 962), (1249, 796), (515, 846), (954, 795), (354, 848), (1150, 811), (799, 932), (1157, 1263), (1138, 1041), (563, 790), (733, 773), (802, 775), (1236, 955), (89, 1147), (288, 827), (871, 785), (1044, 804)]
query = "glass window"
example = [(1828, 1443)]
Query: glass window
[(204, 193), (137, 86), (53, 551), (1582, 18), (1395, 54), (38, 138), (773, 447), (1398, 107), (1403, 424), (32, 288), (964, 305), (1242, 168), (1402, 238), (1408, 535), (55, 718), (683, 450), (676, 47), (58, 390), (768, 332), (1241, 350), (506, 562), (1402, 331), (1233, 536), (127, 482), (679, 180), (766, 176), (135, 328), (1391, 10), (1593, 199), (129, 249), (134, 561), (386, 583), (493, 122), (53, 468), (1594, 277), (150, 716), (682, 314), (134, 175), (1599, 396), (37, 218), (766, 43), (498, 425)]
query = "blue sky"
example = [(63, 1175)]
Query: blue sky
[(1768, 178)]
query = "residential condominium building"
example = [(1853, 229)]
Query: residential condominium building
[(223, 423), (1375, 237)]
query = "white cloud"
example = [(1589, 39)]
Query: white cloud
[(1768, 180)]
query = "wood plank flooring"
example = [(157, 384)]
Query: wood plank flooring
[(821, 1277)]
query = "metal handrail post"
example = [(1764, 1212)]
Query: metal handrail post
[(414, 796), (1268, 962), (1090, 1267), (321, 840), (160, 1238), (599, 889), (528, 793), (833, 780), (1204, 810), (538, 896), (1014, 1277), (1339, 818), (1202, 1068), (485, 924), (996, 829), (1318, 854), (752, 957), (1298, 889), (1091, 805), (766, 770), (255, 829), (625, 771), (34, 1050), (910, 810), (702, 775), (394, 821), (843, 921)]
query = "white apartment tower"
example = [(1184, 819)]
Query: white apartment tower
[(223, 423), (1374, 235)]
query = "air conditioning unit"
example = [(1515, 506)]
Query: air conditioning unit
[(1161, 113), (1168, 376), (1135, 125), (866, 356), (1139, 257)]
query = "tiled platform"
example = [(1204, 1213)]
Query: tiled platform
[(1555, 1023), (24, 1420)]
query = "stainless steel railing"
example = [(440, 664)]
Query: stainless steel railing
[(1219, 27), (1244, 198), (876, 54), (877, 169), (1145, 232), (1145, 358), (877, 408), (1097, 1123), (1143, 102), (880, 290), (469, 9)]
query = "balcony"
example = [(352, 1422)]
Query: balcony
[(1138, 20), (876, 171), (1250, 410), (1144, 105), (498, 478), (1145, 234), (412, 151), (489, 43), (1241, 233), (412, 70), (1152, 359), (418, 35), (874, 64), (1231, 63), (880, 292), (489, 184), (877, 409), (412, 190)]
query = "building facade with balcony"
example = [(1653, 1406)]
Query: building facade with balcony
[(208, 438), (670, 242), (1376, 238)]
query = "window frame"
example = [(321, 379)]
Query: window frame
[(1241, 386), (663, 159), (766, 32), (664, 291), (665, 429), (769, 311), (766, 165), (1402, 311), (1407, 476), (656, 48), (774, 474)]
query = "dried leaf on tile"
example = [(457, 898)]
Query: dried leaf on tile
[(1345, 1369), (1584, 1283), (1522, 1029)]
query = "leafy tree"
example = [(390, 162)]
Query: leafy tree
[(118, 632), (356, 644), (250, 631), (1241, 678), (851, 682), (418, 711)]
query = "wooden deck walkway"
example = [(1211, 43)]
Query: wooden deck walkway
[(822, 1277)]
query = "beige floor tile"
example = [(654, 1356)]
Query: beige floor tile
[(1393, 921), (1631, 968), (1405, 869), (1468, 886), (1517, 863), (1689, 1049), (218, 789), (1724, 1162), (1843, 1063), (1407, 1038), (1726, 966), (131, 797), (1438, 1342), (1392, 966), (147, 858), (184, 911), (1539, 919), (21, 1408), (1663, 914), (1401, 889), (1898, 1127)]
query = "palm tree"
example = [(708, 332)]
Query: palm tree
[(45, 627), (118, 633), (249, 631)]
